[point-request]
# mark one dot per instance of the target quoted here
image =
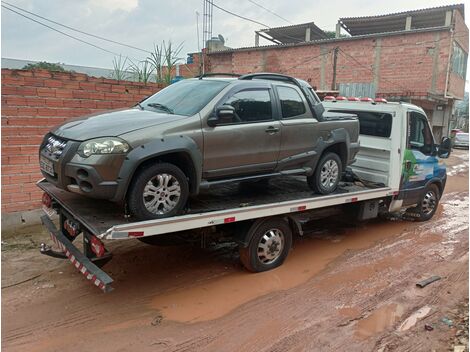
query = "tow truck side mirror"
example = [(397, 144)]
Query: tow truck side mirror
[(444, 148)]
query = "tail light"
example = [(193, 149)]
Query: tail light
[(353, 99), (328, 98), (367, 99), (341, 98), (46, 200), (97, 246)]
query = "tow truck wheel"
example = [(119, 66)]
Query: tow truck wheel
[(158, 191), (428, 204), (327, 174), (268, 247)]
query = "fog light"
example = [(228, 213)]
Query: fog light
[(82, 174)]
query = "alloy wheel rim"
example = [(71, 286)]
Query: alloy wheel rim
[(429, 203), (329, 174), (162, 193), (270, 246)]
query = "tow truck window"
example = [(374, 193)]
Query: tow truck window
[(376, 124), (419, 134)]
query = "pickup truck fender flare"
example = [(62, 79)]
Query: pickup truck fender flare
[(334, 137), (159, 148)]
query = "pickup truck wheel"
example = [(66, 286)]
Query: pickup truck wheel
[(327, 174), (158, 191), (427, 205), (269, 246)]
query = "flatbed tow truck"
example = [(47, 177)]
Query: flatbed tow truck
[(398, 170)]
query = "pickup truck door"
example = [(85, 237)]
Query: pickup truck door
[(300, 130), (249, 144)]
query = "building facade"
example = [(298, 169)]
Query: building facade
[(416, 56)]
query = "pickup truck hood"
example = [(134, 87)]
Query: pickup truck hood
[(112, 123)]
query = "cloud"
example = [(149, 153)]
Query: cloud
[(142, 23)]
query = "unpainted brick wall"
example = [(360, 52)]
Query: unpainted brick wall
[(402, 65), (35, 101)]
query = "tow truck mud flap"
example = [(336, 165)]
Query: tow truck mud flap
[(84, 265)]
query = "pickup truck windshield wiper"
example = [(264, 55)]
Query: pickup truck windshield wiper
[(140, 106), (161, 107)]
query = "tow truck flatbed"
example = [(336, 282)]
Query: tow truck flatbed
[(219, 205)]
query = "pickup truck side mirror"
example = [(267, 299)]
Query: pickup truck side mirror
[(444, 148), (223, 114)]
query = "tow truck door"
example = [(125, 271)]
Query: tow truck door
[(420, 162)]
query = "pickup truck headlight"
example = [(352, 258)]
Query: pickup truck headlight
[(106, 145)]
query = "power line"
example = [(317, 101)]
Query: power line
[(75, 29), (272, 12), (250, 20), (348, 57), (240, 16), (307, 60), (63, 33)]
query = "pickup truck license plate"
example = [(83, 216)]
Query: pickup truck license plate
[(46, 165)]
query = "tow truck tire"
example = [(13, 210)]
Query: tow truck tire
[(268, 247), (428, 204), (159, 181), (327, 174)]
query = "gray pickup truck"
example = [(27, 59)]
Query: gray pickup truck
[(197, 133)]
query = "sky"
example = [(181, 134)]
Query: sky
[(141, 23)]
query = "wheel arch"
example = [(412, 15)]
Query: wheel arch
[(181, 151)]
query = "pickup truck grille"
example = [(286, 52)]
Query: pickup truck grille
[(55, 146)]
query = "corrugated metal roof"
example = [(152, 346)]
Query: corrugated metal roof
[(422, 18), (294, 33)]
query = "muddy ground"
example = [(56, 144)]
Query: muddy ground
[(343, 288)]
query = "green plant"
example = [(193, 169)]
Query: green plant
[(156, 59), (119, 68), (142, 70), (43, 65), (170, 59)]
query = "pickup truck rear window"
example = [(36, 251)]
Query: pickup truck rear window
[(377, 124)]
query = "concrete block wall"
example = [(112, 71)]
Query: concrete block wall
[(35, 101)]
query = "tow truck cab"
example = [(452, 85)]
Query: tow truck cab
[(396, 136)]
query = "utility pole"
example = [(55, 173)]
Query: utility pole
[(335, 59)]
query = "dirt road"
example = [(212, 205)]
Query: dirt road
[(343, 288)]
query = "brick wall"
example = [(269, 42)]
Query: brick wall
[(35, 101), (412, 64)]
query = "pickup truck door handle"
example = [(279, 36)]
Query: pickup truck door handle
[(272, 130)]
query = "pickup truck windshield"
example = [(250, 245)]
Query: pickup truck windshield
[(185, 97)]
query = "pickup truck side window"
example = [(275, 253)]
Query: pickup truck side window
[(252, 105), (419, 134), (292, 103)]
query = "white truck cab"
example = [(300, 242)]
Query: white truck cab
[(398, 150)]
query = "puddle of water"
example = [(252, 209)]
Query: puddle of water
[(216, 297), (413, 318), (379, 320)]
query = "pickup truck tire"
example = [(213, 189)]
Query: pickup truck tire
[(327, 174), (158, 191), (427, 205), (268, 247)]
